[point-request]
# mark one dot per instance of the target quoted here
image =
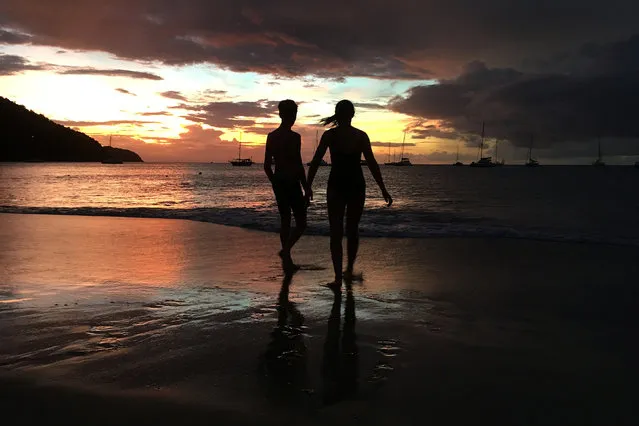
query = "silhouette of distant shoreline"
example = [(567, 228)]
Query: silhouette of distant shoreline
[(26, 136)]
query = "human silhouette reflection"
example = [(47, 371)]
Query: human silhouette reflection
[(285, 359), (340, 366)]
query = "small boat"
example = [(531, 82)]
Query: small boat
[(483, 161), (531, 161), (110, 159), (239, 161), (599, 161), (403, 161), (457, 162), (242, 162)]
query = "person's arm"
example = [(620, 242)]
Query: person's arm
[(319, 154), (268, 159), (374, 168), (308, 193)]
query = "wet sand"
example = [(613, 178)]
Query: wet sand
[(129, 321)]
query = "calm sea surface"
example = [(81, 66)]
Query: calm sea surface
[(585, 204)]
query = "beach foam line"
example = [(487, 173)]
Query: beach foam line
[(373, 225)]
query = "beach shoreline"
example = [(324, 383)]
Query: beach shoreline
[(178, 319)]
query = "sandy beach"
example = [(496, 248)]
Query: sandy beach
[(129, 321)]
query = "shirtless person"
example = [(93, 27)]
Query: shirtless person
[(283, 145)]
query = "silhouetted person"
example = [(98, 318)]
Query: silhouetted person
[(340, 365), (284, 147), (346, 191)]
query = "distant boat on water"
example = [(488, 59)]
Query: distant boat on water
[(110, 159), (457, 162), (531, 161), (322, 161), (239, 161), (403, 161), (483, 162), (599, 161)]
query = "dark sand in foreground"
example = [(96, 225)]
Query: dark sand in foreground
[(145, 321)]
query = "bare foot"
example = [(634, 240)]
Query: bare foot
[(335, 286)]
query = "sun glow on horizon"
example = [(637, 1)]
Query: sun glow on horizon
[(151, 105)]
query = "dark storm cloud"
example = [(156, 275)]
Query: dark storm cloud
[(11, 37), (111, 73), (172, 94), (333, 39), (12, 64), (597, 97), (226, 114), (369, 105), (124, 91)]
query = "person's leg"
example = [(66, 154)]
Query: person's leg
[(336, 206), (354, 210), (284, 208), (298, 205), (285, 224)]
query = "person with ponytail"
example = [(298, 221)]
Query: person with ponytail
[(346, 190)]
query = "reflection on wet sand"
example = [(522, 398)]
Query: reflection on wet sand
[(340, 366), (285, 359)]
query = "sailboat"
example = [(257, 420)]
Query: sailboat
[(110, 159), (483, 161), (457, 162), (403, 161), (239, 161), (322, 162), (599, 161), (531, 161), (389, 162)]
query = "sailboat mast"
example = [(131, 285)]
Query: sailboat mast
[(457, 159), (110, 136), (481, 146), (599, 147), (389, 152), (239, 149), (530, 148), (403, 140)]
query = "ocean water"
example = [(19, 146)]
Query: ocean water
[(579, 204)]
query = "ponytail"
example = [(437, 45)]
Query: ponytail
[(332, 121), (344, 110)]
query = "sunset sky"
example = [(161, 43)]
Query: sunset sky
[(180, 80)]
